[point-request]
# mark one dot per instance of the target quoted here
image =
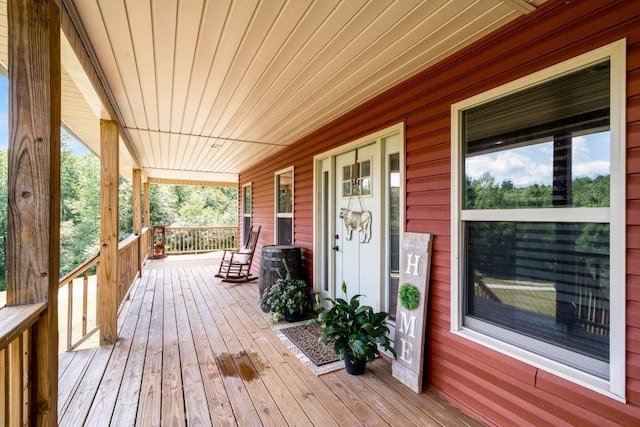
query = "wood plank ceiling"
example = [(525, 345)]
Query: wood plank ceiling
[(208, 88)]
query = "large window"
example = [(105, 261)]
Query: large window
[(537, 201), (284, 207)]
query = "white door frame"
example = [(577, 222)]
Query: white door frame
[(324, 164)]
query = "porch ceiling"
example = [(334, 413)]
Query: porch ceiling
[(206, 89)]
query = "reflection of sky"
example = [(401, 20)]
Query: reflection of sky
[(78, 148), (534, 164)]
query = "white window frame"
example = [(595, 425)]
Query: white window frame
[(614, 387), (246, 214), (277, 214)]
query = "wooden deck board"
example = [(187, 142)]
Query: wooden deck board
[(222, 310), (220, 410), (276, 388), (240, 402), (173, 409), (359, 407), (151, 385), (69, 378), (193, 350), (128, 397), (195, 397), (106, 397), (84, 394)]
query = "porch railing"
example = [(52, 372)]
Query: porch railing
[(194, 240), (16, 360), (84, 276), (128, 265), (77, 317)]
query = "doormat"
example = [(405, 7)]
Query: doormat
[(303, 342)]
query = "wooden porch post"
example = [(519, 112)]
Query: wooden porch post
[(137, 200), (33, 226), (108, 271), (147, 205)]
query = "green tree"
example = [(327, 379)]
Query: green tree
[(68, 178), (79, 236), (163, 204), (209, 206), (125, 209)]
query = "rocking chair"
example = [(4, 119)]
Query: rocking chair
[(236, 265)]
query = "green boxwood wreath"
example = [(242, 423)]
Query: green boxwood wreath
[(409, 296)]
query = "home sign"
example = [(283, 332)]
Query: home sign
[(411, 314)]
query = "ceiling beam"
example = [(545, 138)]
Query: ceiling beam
[(169, 181), (192, 135)]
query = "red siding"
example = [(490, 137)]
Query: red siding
[(495, 387)]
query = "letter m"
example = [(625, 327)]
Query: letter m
[(408, 326)]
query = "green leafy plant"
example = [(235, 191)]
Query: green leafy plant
[(347, 325), (286, 296), (409, 296)]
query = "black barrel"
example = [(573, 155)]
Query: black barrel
[(271, 263)]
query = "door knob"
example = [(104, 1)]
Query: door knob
[(336, 248)]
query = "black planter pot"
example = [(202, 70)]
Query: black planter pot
[(354, 366), (293, 317)]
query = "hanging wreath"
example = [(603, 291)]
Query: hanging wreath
[(409, 296)]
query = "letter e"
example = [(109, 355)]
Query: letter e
[(405, 354)]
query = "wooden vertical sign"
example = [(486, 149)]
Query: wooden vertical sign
[(411, 321)]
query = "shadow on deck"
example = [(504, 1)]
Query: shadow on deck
[(196, 351)]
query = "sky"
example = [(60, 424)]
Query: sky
[(533, 164), (78, 148)]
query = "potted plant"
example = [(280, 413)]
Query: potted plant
[(157, 248), (357, 332), (287, 297)]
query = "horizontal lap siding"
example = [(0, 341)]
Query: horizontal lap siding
[(633, 217), (495, 387)]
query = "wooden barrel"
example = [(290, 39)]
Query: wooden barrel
[(271, 263)]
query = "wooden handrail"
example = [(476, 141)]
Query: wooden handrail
[(79, 269), (15, 320), (200, 227), (130, 240)]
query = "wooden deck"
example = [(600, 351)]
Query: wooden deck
[(196, 351)]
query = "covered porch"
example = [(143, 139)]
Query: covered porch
[(179, 346), (197, 351)]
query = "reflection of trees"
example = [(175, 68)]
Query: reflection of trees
[(485, 193), (533, 250)]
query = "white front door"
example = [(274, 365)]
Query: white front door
[(358, 224), (363, 180)]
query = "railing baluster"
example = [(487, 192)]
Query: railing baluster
[(69, 312), (26, 377), (4, 382), (16, 372), (85, 300)]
